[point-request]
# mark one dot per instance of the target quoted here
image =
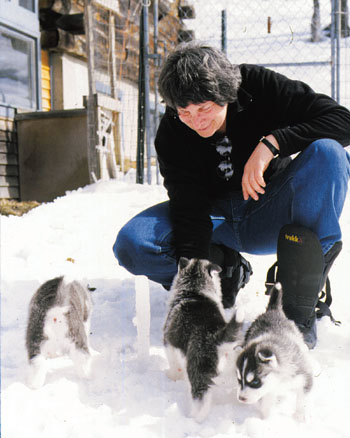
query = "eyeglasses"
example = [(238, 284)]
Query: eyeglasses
[(223, 147)]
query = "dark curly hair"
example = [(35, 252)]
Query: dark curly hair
[(195, 73)]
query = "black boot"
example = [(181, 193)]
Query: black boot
[(235, 274), (302, 269)]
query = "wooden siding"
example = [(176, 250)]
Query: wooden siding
[(9, 173), (45, 81)]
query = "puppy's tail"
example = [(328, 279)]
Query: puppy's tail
[(275, 302), (233, 329)]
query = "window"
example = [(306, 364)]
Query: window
[(19, 54), (17, 70)]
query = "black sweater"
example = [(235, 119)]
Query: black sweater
[(268, 103)]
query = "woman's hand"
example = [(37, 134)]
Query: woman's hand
[(253, 182)]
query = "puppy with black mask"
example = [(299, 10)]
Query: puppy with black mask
[(274, 360), (196, 333)]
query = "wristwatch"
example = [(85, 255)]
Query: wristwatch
[(270, 146)]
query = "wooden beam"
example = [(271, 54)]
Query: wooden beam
[(91, 107), (108, 4), (108, 102), (112, 58)]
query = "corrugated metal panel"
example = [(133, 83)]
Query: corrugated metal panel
[(45, 81)]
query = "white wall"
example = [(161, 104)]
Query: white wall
[(75, 82), (69, 81), (70, 84)]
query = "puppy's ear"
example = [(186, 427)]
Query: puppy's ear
[(183, 262), (213, 267), (266, 356)]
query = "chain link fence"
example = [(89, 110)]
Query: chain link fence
[(303, 40), (293, 37), (117, 68)]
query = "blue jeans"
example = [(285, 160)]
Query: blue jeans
[(310, 192)]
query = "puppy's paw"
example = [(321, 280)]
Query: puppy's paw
[(94, 353), (175, 374), (200, 408), (82, 362), (37, 372), (299, 415)]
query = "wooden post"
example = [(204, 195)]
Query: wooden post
[(91, 101), (111, 37), (269, 24)]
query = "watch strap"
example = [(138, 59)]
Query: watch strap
[(270, 146)]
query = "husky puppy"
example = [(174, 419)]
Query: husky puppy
[(274, 360), (196, 332), (58, 324)]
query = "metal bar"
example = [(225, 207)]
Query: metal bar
[(337, 36), (37, 75), (295, 64), (156, 57), (333, 64), (141, 111), (147, 90)]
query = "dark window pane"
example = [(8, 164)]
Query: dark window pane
[(17, 71), (28, 4)]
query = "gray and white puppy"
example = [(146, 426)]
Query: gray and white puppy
[(274, 360), (58, 324), (196, 331)]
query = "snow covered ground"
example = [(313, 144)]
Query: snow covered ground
[(128, 395)]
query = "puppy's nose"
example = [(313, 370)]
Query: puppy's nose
[(242, 399)]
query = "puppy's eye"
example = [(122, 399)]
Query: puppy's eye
[(256, 383)]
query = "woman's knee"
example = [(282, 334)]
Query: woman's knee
[(328, 149), (328, 158), (124, 248), (137, 243)]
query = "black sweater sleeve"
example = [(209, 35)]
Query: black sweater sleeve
[(189, 203), (302, 114)]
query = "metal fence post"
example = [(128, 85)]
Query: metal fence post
[(140, 110), (335, 49), (144, 103), (147, 89), (337, 36), (156, 58), (333, 56)]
